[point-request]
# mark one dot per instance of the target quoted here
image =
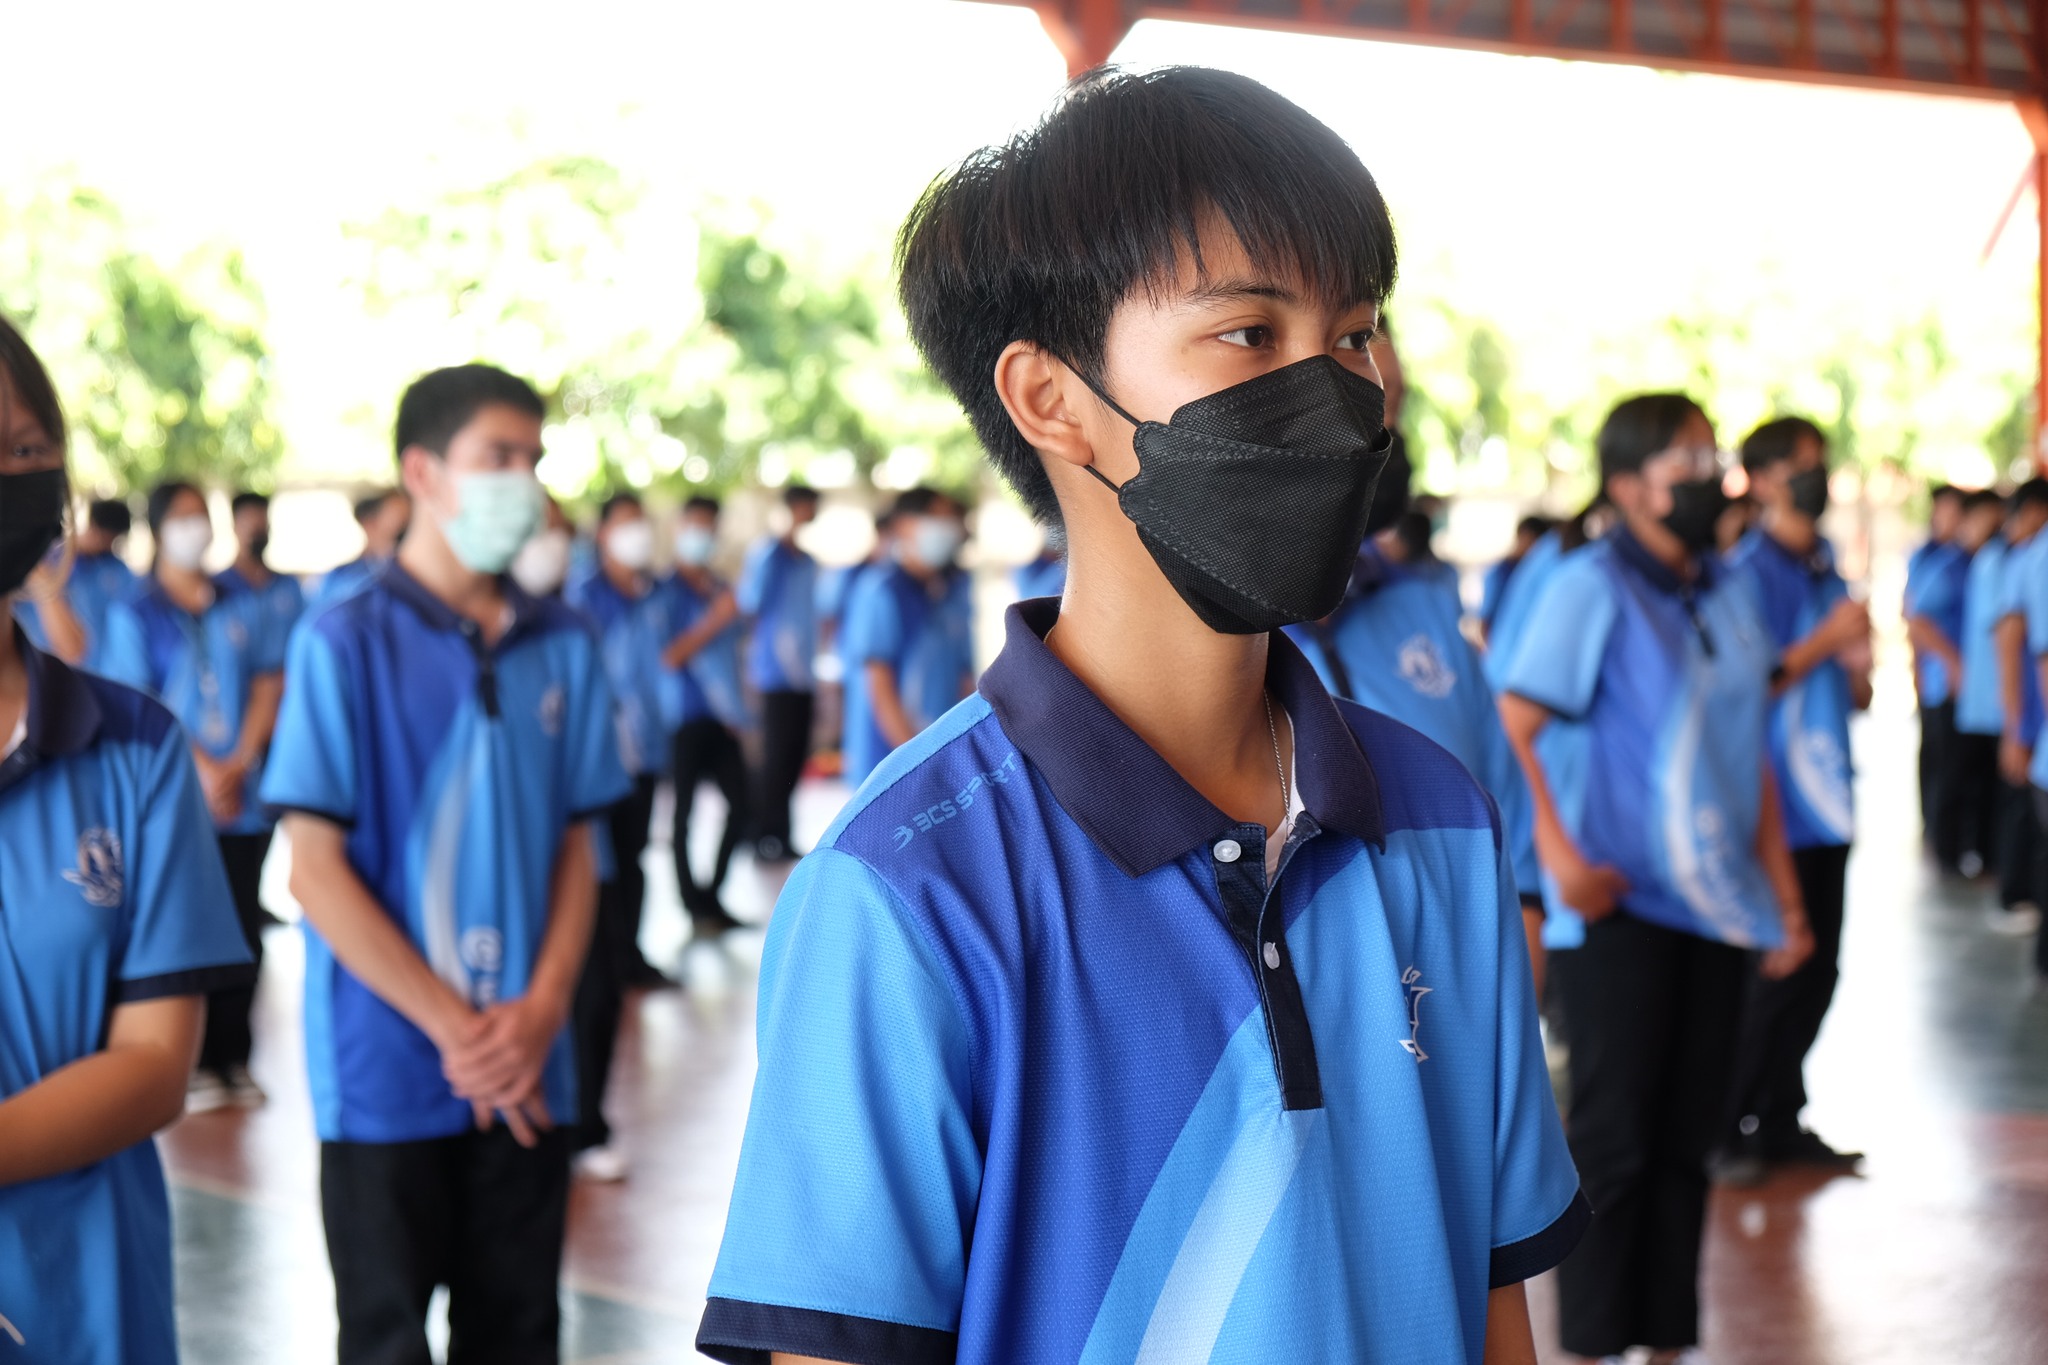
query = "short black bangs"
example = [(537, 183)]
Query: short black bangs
[(1041, 239)]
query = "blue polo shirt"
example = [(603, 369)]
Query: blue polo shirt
[(2030, 588), (344, 581), (708, 686), (894, 618), (111, 892), (202, 667), (455, 768), (1049, 1073), (284, 601), (1810, 720), (1045, 576), (96, 583), (778, 592), (1656, 760), (2023, 568), (1517, 604), (1935, 589), (632, 632), (1980, 709), (1395, 646)]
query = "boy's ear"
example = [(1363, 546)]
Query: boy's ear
[(1035, 390)]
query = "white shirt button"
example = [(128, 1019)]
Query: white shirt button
[(1272, 956), (1228, 850)]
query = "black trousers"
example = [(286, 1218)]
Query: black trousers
[(707, 750), (612, 962), (2040, 799), (2022, 851), (1782, 1018), (227, 1041), (1973, 786), (1653, 1016), (477, 1213), (785, 746), (1937, 786)]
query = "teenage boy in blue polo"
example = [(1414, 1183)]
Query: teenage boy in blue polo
[(284, 601), (778, 594), (1822, 638), (2023, 857), (444, 743), (1152, 1005)]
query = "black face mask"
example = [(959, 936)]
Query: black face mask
[(1253, 500), (1809, 489), (259, 545), (31, 520), (1696, 509)]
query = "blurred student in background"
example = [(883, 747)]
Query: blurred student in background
[(2023, 855), (215, 657), (706, 709), (1046, 574), (541, 568), (1929, 558), (64, 612), (909, 635), (284, 601), (1528, 532), (1962, 764), (1822, 643), (1637, 702), (383, 518), (778, 594), (119, 924)]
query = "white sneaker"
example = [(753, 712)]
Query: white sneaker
[(243, 1092), (606, 1165), (2019, 921), (206, 1092)]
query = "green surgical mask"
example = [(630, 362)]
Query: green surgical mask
[(496, 513)]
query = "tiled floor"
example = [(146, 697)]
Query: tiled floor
[(1935, 1061)]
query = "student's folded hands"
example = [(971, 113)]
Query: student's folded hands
[(498, 1068)]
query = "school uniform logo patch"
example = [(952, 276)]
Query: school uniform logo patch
[(1425, 669), (99, 874), (1411, 982), (553, 706)]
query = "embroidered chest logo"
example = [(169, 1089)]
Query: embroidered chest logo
[(952, 808), (99, 874), (1411, 982), (1425, 669), (553, 706)]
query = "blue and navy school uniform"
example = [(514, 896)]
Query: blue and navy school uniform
[(96, 583), (894, 618), (1661, 691), (1045, 576), (2030, 590), (1935, 589), (111, 892), (778, 592), (456, 768), (1517, 605), (343, 582), (708, 686), (1396, 646), (1051, 1073), (2023, 564), (632, 632), (284, 601), (1980, 706), (203, 667), (1493, 586), (1810, 719)]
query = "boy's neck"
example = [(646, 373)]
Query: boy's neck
[(188, 588), (255, 570), (477, 596), (1791, 529)]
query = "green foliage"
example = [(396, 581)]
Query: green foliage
[(163, 369)]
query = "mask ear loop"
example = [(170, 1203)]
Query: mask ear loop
[(1103, 394)]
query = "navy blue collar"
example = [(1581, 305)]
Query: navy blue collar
[(391, 576), (1128, 799), (63, 715), (1647, 566)]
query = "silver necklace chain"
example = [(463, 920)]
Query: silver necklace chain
[(1279, 766)]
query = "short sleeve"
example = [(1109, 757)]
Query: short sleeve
[(2013, 578), (1539, 1211), (1556, 663), (124, 654), (874, 623), (597, 774), (2034, 601), (312, 764), (851, 1215), (183, 936)]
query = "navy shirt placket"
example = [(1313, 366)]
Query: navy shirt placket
[(1253, 911)]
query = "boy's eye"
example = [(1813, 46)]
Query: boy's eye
[(1355, 341), (1254, 338)]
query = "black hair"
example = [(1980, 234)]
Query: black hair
[(798, 493), (1533, 526), (615, 502), (440, 404), (1576, 530), (160, 499), (110, 515), (703, 502), (916, 502), (1778, 440), (31, 382), (1040, 239), (1977, 499), (246, 499), (370, 504), (1639, 428), (1944, 490), (1417, 532), (2032, 493)]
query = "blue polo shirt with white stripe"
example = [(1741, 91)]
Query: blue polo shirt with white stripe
[(455, 767), (203, 667), (1661, 691), (778, 592), (926, 638), (632, 631), (1396, 646), (111, 892), (1050, 1073), (1810, 719)]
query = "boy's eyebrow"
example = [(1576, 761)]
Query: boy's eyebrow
[(1232, 290)]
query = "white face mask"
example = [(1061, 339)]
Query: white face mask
[(934, 541), (695, 545), (631, 545), (183, 541), (542, 563)]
